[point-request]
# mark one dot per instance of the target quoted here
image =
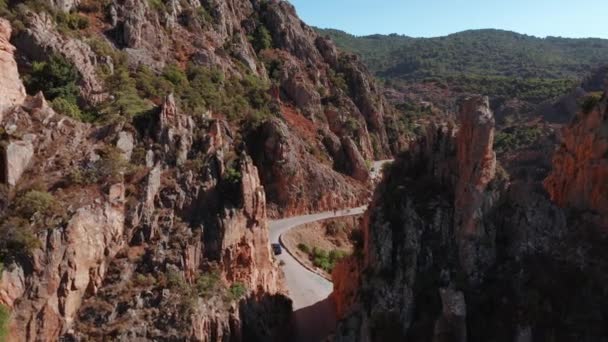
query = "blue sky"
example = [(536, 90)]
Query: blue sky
[(431, 18)]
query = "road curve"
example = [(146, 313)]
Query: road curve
[(305, 287), (313, 313)]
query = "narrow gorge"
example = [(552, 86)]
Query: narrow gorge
[(155, 153)]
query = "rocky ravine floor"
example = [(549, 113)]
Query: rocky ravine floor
[(313, 313)]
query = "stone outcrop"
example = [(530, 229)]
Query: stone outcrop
[(41, 39), (580, 165), (446, 235), (130, 253), (11, 87), (328, 87), (73, 260), (65, 5), (125, 143), (16, 156), (175, 130), (476, 169), (438, 194), (296, 182), (356, 164)]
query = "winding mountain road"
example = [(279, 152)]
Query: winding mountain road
[(313, 313), (305, 287)]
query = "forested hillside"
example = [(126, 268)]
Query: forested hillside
[(495, 61)]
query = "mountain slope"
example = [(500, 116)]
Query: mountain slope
[(156, 138), (492, 62)]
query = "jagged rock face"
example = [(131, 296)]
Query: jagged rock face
[(580, 171), (41, 39), (11, 87), (429, 221), (357, 166), (476, 169), (454, 253), (294, 180), (327, 87), (290, 33), (175, 130), (167, 222), (74, 260)]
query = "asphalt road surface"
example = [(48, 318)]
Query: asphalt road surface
[(313, 312)]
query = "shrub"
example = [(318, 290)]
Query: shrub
[(16, 238), (237, 290), (333, 228), (71, 21), (261, 38), (516, 138), (326, 261), (208, 284), (112, 164), (304, 248), (176, 281), (126, 100), (55, 77), (110, 167), (352, 125), (232, 176), (590, 101), (5, 316), (338, 80), (157, 5), (35, 202), (66, 107), (144, 280), (203, 15), (175, 75)]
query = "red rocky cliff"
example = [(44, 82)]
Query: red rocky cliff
[(580, 165)]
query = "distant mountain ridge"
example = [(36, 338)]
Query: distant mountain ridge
[(498, 63), (486, 52)]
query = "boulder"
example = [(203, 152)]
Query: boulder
[(125, 143), (16, 158)]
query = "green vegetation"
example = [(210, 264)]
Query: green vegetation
[(5, 316), (590, 101), (325, 260), (515, 138), (71, 21), (338, 80), (198, 89), (208, 284), (17, 238), (321, 258), (237, 290), (125, 102), (232, 176), (58, 79), (110, 167), (261, 38), (304, 248), (35, 202), (492, 62), (157, 5)]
